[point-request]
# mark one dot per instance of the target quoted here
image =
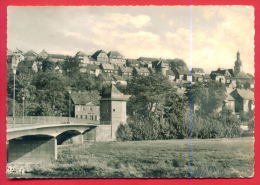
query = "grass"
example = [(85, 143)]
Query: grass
[(211, 158)]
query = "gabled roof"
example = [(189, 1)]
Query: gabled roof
[(126, 69), (142, 70), (197, 75), (114, 54), (245, 94), (81, 54), (107, 66), (85, 97), (95, 55), (30, 53), (223, 72), (242, 75), (113, 93), (132, 61), (197, 70)]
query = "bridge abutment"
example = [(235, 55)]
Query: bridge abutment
[(32, 149)]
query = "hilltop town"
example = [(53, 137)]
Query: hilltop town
[(117, 69)]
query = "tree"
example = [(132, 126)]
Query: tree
[(148, 95)]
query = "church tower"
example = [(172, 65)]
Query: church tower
[(238, 64), (113, 108)]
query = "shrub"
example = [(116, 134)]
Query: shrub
[(124, 133)]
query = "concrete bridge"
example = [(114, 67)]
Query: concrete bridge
[(38, 142)]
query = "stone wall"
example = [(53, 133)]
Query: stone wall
[(103, 133)]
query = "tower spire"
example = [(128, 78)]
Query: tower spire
[(238, 64)]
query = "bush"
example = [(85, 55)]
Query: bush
[(124, 133)]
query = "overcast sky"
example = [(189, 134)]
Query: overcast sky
[(215, 32)]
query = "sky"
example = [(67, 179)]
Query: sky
[(203, 36)]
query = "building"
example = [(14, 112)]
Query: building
[(147, 61), (143, 71), (30, 55), (43, 54), (181, 73), (113, 109), (83, 58), (197, 78), (206, 78), (132, 63), (116, 58), (100, 56), (125, 71), (56, 58), (238, 64), (243, 100), (107, 69), (170, 75), (93, 69), (86, 105), (221, 75), (119, 80), (161, 66), (198, 71)]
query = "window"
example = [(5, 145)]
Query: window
[(114, 110)]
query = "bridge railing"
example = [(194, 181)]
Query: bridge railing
[(30, 120)]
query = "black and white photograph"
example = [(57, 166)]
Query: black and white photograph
[(130, 91)]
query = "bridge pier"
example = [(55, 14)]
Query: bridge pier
[(79, 139), (32, 149)]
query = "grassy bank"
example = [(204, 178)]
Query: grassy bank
[(153, 159)]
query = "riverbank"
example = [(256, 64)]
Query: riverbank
[(210, 158)]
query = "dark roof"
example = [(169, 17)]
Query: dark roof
[(112, 92), (114, 54), (197, 70), (170, 72), (85, 97), (126, 69), (224, 72), (95, 55)]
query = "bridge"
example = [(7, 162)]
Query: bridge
[(34, 141)]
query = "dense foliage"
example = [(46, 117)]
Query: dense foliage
[(157, 111), (46, 92)]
